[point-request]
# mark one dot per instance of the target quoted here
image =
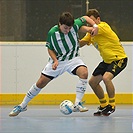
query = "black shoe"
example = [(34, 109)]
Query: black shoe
[(99, 112), (108, 110)]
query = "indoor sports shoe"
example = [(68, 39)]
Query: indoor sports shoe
[(80, 108), (17, 110), (108, 110), (99, 112)]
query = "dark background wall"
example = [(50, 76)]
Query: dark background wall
[(30, 20)]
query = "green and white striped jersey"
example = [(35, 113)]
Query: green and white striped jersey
[(65, 46)]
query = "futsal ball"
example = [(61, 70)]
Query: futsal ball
[(66, 107)]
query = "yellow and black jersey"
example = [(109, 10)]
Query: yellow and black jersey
[(107, 43)]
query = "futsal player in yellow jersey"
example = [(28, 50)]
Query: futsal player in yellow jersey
[(114, 61)]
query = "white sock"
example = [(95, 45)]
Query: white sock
[(80, 90), (33, 91)]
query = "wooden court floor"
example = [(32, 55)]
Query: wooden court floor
[(48, 119)]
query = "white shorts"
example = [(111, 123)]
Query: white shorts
[(64, 66)]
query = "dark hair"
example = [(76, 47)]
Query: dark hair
[(93, 12), (66, 18)]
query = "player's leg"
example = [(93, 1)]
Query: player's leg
[(36, 88), (33, 91), (77, 67), (107, 79), (82, 73), (113, 70), (94, 82), (110, 108)]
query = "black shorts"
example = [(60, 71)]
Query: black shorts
[(115, 67)]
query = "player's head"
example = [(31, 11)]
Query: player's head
[(94, 15), (66, 21)]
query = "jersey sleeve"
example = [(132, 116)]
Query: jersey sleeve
[(79, 22), (49, 42)]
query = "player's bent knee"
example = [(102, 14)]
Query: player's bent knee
[(106, 79), (83, 74)]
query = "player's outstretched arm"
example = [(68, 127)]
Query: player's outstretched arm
[(93, 24), (85, 29)]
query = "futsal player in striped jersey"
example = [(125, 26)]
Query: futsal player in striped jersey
[(63, 48), (114, 61)]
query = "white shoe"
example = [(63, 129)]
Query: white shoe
[(80, 108), (17, 110)]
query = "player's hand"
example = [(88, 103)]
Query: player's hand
[(94, 31), (55, 64)]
